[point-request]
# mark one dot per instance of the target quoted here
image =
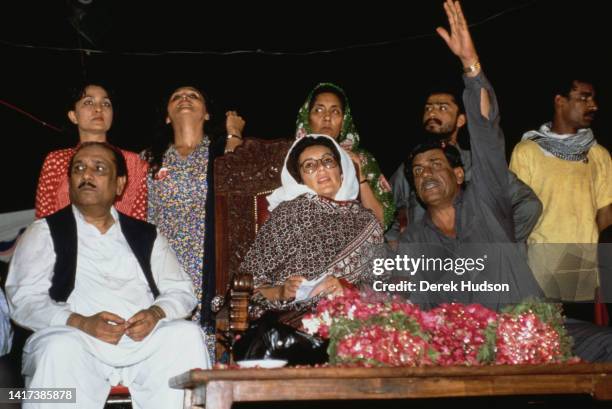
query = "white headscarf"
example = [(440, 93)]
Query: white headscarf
[(291, 188)]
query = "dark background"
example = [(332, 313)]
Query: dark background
[(386, 56)]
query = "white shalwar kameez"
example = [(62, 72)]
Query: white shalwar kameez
[(108, 278)]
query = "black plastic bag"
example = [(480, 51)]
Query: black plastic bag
[(269, 338)]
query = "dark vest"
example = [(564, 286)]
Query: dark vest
[(62, 225)]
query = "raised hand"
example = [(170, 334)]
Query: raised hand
[(459, 40), (234, 124)]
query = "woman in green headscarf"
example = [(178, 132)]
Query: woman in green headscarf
[(327, 111)]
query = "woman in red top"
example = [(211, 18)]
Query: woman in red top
[(92, 113)]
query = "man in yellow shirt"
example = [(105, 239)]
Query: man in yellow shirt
[(572, 176)]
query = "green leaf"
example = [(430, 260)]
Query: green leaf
[(486, 353)]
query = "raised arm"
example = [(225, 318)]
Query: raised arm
[(234, 124), (460, 42), (489, 166)]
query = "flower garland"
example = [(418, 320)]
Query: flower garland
[(528, 333), (366, 331)]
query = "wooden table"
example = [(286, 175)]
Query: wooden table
[(218, 389)]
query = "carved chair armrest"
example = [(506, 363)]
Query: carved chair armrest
[(232, 313), (241, 289)]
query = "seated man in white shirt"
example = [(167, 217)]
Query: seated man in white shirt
[(104, 295)]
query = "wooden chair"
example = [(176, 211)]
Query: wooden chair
[(242, 181)]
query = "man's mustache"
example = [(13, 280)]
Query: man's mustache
[(434, 120), (429, 182), (86, 183)]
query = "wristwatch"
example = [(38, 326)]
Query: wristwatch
[(472, 68)]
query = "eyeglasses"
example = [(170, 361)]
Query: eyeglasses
[(310, 166)]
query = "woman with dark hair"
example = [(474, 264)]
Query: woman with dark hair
[(91, 110), (327, 111), (317, 230), (181, 202)]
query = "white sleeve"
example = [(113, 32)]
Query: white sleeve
[(29, 280), (176, 296)]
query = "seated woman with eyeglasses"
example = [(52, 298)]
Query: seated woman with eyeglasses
[(316, 229)]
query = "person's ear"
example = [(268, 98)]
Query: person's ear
[(559, 100), (459, 174), (121, 180), (72, 117), (461, 120)]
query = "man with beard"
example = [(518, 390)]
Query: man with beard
[(443, 119), (572, 176), (104, 294)]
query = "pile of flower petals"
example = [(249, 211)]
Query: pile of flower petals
[(366, 331)]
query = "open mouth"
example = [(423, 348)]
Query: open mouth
[(429, 184)]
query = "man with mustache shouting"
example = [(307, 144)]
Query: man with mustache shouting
[(468, 227), (104, 294)]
